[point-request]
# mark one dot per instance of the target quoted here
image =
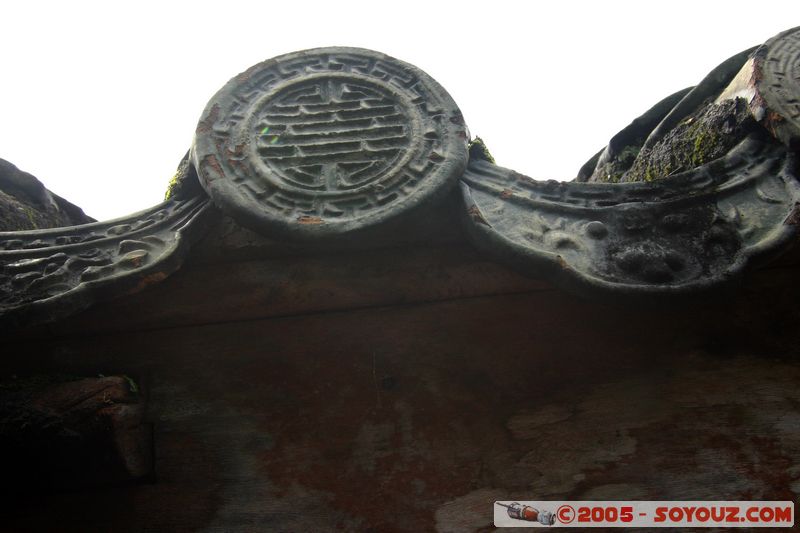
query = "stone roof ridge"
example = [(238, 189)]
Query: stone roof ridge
[(317, 145)]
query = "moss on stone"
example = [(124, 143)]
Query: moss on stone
[(184, 182), (26, 204), (174, 185), (479, 151), (707, 134), (704, 145), (29, 212)]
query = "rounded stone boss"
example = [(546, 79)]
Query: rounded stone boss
[(327, 141)]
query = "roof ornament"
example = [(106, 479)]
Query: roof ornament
[(683, 199), (327, 141), (332, 141)]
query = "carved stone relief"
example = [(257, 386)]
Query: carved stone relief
[(327, 141)]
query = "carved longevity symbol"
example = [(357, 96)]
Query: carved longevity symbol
[(332, 134), (329, 140)]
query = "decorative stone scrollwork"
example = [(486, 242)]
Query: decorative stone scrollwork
[(690, 232), (675, 232), (46, 274)]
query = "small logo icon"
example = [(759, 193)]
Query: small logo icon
[(530, 514), (565, 514)]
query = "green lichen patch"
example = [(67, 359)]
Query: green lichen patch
[(479, 151), (173, 186), (183, 183), (176, 183), (707, 134)]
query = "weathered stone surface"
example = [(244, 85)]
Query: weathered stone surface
[(67, 433), (26, 204), (610, 163), (710, 133), (755, 89)]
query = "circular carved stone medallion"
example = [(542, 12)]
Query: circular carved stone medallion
[(779, 84), (329, 140)]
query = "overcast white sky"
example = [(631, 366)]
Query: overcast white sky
[(100, 100)]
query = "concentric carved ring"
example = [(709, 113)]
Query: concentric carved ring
[(327, 141), (779, 84)]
